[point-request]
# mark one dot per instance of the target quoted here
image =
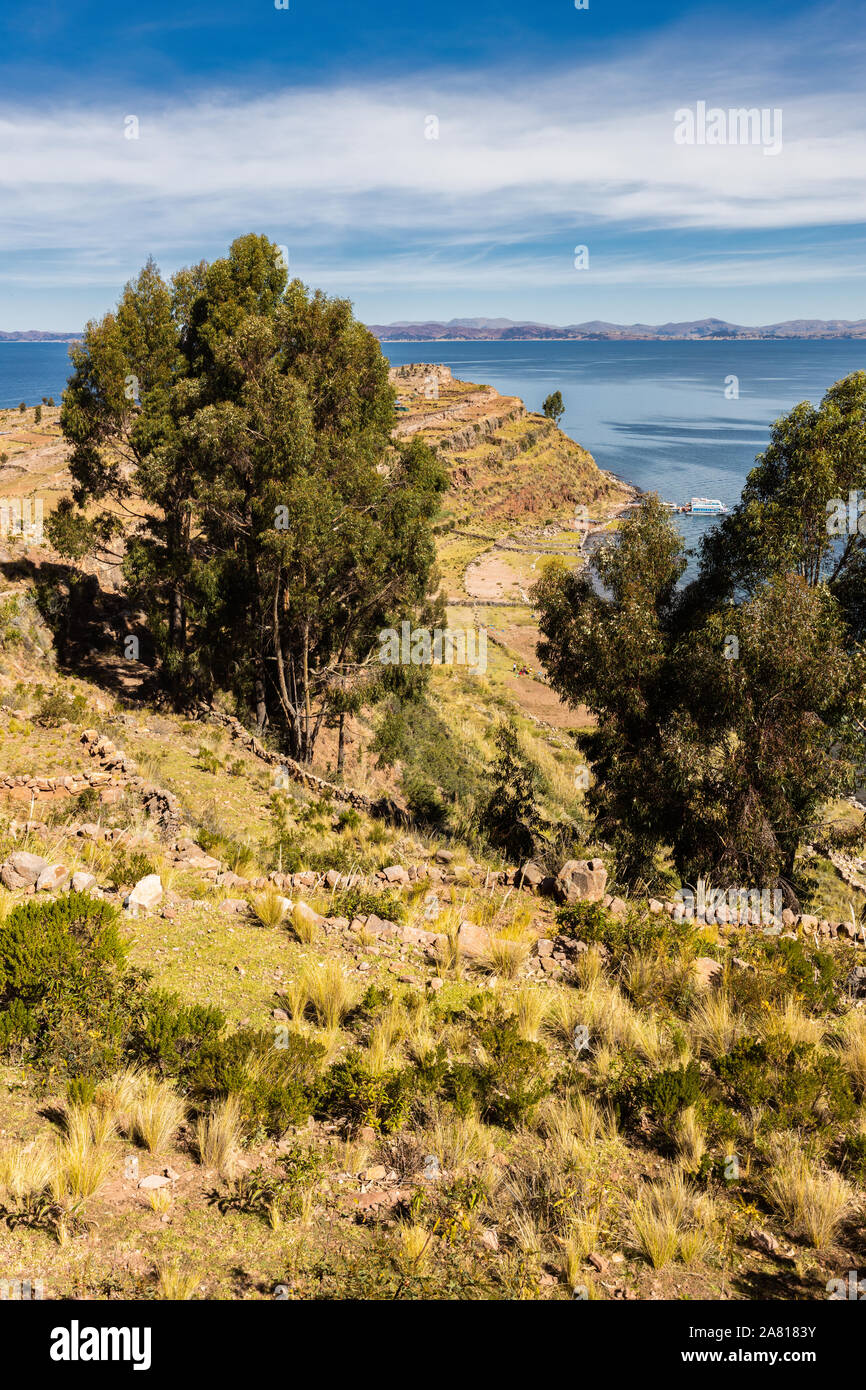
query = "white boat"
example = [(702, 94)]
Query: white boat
[(707, 506)]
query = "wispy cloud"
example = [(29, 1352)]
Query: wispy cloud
[(346, 177)]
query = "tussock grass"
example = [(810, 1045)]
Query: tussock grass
[(330, 993), (157, 1114), (811, 1200), (714, 1025), (26, 1170), (529, 1005), (269, 908), (219, 1136), (173, 1283)]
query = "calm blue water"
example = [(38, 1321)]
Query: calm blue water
[(29, 371), (654, 413)]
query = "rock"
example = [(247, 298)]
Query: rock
[(655, 906), (706, 970), (81, 881), (332, 878), (431, 1170), (490, 1239), (27, 866), (444, 856), (304, 913), (598, 1262), (11, 880), (204, 863), (807, 922), (280, 1015), (472, 939), (395, 873), (435, 983), (530, 876), (374, 1174), (788, 918), (155, 1180), (543, 947), (618, 907), (52, 878), (581, 879), (146, 893)]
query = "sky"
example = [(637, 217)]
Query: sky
[(441, 159)]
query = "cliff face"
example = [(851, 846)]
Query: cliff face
[(507, 463)]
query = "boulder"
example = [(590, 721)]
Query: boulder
[(10, 879), (706, 970), (82, 881), (472, 939), (52, 878), (27, 866), (146, 893), (530, 876), (581, 879), (395, 873)]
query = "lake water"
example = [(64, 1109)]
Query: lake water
[(656, 414)]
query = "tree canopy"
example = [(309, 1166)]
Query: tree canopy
[(236, 430)]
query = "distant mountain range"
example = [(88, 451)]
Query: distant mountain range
[(36, 335), (497, 329), (525, 330)]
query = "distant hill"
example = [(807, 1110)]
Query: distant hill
[(37, 335), (498, 329)]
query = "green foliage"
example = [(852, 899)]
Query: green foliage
[(553, 407), (276, 545), (362, 902), (799, 1084), (351, 1091), (634, 933), (690, 690), (668, 1092), (171, 1034), (273, 1197), (80, 1091), (437, 773), (126, 869), (65, 997), (272, 1074), (510, 816), (60, 708), (508, 1079)]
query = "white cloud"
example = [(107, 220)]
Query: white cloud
[(348, 180)]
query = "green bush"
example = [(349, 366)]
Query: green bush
[(801, 1086), (275, 1084), (65, 995), (634, 933), (126, 869), (269, 1195), (672, 1090), (60, 708), (80, 1091), (360, 902), (171, 1034), (350, 1091), (508, 1080)]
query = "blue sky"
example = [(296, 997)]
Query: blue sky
[(554, 129)]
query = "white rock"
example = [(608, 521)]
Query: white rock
[(81, 881), (146, 893)]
